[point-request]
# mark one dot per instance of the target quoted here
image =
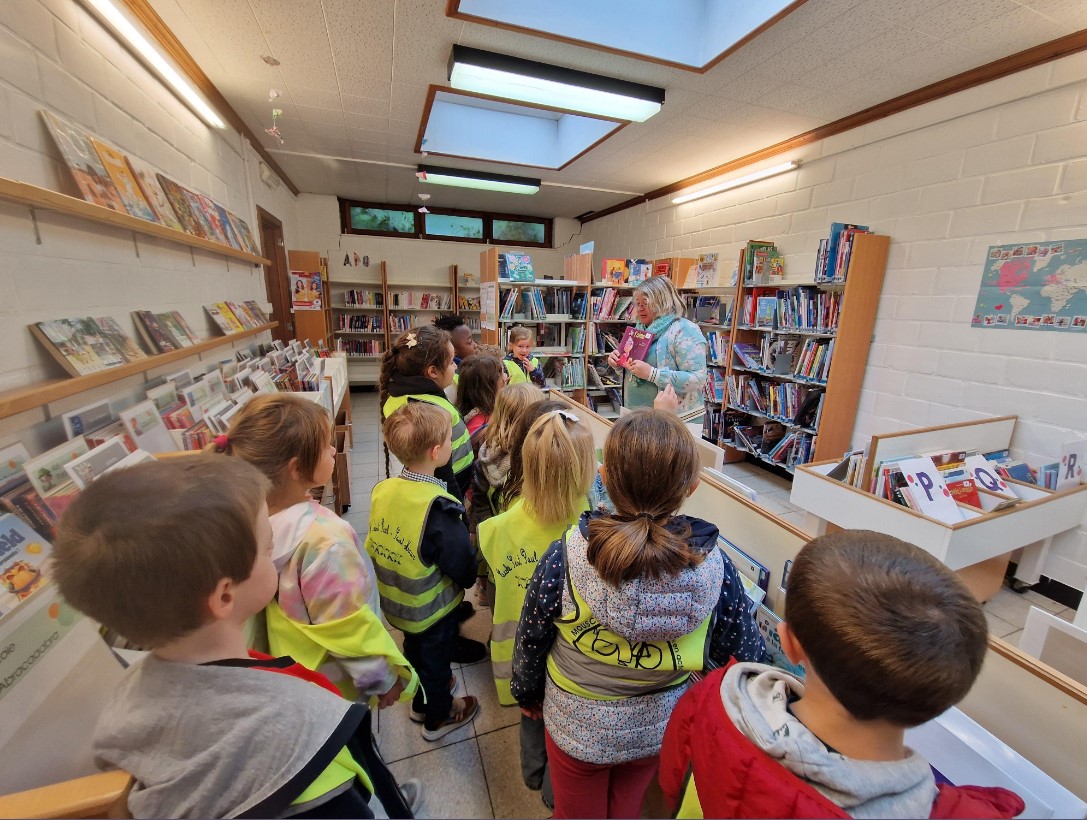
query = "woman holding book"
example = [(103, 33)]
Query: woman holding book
[(676, 356)]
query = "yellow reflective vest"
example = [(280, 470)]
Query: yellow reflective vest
[(589, 660), (462, 445), (513, 542), (414, 596), (517, 375)]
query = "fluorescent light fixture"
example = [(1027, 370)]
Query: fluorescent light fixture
[(483, 180), (512, 78), (772, 171), (136, 40)]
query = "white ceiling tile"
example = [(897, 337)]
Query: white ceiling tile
[(1071, 13), (1015, 31)]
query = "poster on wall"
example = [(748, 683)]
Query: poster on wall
[(306, 291), (1034, 286), (488, 305)]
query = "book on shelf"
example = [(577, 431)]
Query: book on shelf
[(84, 419), (123, 180), (82, 471), (224, 318), (708, 275), (634, 345), (614, 272), (765, 311), (125, 345), (756, 262), (24, 556), (638, 270), (78, 344), (832, 261), (147, 179), (518, 267), (47, 475), (147, 428), (241, 313), (176, 332), (157, 338), (87, 170)]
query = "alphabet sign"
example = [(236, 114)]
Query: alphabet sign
[(1071, 470), (929, 491)]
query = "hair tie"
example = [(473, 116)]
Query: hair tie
[(566, 414), (221, 442), (645, 515), (411, 340)]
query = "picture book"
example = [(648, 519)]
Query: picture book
[(614, 272), (965, 491), (930, 494), (12, 460), (183, 209), (89, 417), (227, 226), (768, 621), (124, 343), (1018, 471), (47, 475), (639, 271), (82, 160), (745, 564), (23, 556), (77, 344), (125, 182), (241, 313), (662, 267), (519, 267), (169, 324), (765, 311), (89, 466), (229, 317), (155, 336), (634, 345), (100, 435), (708, 276), (146, 177), (255, 309), (147, 428), (185, 327), (241, 228), (197, 208), (212, 214)]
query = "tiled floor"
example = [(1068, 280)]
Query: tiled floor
[(475, 771)]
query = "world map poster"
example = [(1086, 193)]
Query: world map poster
[(1034, 286)]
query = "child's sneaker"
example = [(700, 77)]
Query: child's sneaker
[(469, 708), (419, 717)]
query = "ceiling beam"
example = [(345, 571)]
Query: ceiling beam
[(1029, 58), (157, 28)]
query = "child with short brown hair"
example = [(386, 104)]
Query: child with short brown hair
[(424, 561), (176, 556), (890, 638)]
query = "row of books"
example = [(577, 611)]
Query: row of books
[(234, 317), (422, 301), (361, 322), (88, 344), (127, 184), (609, 306), (835, 252), (808, 309), (467, 302), (625, 271), (360, 347), (399, 322), (603, 375), (473, 322), (529, 300), (564, 372), (717, 345), (814, 359), (707, 309), (364, 298)]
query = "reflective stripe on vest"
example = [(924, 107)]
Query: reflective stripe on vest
[(513, 542), (462, 443), (517, 375), (591, 661), (413, 596)]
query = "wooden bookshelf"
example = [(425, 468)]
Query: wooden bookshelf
[(44, 199), (315, 325), (21, 399), (362, 369)]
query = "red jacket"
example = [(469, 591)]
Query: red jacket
[(737, 779)]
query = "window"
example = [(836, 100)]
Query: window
[(446, 224)]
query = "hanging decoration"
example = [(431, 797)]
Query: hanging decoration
[(274, 130)]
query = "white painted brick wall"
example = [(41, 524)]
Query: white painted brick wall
[(1006, 162), (56, 56)]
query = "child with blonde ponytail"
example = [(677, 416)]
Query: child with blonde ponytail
[(559, 463), (617, 616)]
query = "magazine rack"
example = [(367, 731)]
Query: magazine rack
[(986, 535), (1011, 683)]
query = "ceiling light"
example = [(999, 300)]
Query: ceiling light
[(135, 39), (772, 171), (512, 78), (482, 180)]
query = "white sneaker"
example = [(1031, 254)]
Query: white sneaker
[(420, 717), (412, 792)]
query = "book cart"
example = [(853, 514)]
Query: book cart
[(986, 738), (556, 329), (982, 542)]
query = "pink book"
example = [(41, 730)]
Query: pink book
[(634, 345)]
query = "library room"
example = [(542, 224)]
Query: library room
[(674, 312)]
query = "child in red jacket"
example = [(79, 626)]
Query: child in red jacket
[(890, 638)]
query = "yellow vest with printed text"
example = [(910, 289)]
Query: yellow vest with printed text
[(589, 660), (414, 596), (513, 543), (462, 445), (517, 375)]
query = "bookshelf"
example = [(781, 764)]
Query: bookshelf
[(789, 376), (552, 308), (315, 325), (359, 320), (466, 298)]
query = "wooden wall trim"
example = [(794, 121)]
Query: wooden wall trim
[(148, 17), (1029, 58)]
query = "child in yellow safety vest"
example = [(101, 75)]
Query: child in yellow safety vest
[(618, 615), (559, 462), (418, 368), (424, 561), (519, 361), (326, 613)]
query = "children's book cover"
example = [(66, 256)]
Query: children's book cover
[(89, 466), (87, 169), (146, 177), (765, 310), (707, 270), (212, 213), (639, 269), (241, 312), (23, 557), (662, 267), (519, 267), (124, 343), (154, 334), (183, 209), (185, 326), (614, 271), (241, 228), (928, 490), (228, 227), (122, 177), (767, 622), (634, 345), (202, 218), (147, 428), (235, 324), (89, 417), (176, 331), (255, 309)]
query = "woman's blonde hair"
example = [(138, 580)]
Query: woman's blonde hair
[(519, 333), (559, 465), (650, 465), (274, 428), (661, 296), (512, 402)]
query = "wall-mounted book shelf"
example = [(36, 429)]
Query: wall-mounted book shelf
[(34, 196), (45, 392)]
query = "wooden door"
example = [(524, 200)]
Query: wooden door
[(276, 278)]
